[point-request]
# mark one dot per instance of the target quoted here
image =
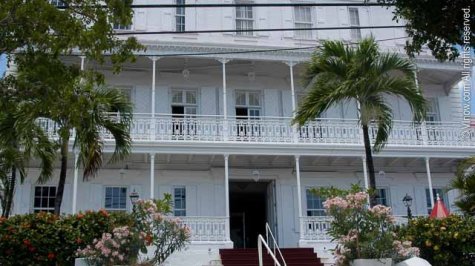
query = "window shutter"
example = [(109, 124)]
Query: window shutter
[(228, 17), (140, 20), (67, 204), (288, 17), (320, 19), (343, 19), (26, 199), (167, 15), (262, 22), (191, 201), (97, 196)]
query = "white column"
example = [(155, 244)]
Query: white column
[(75, 182), (226, 191), (152, 175), (294, 101), (292, 86), (299, 194), (429, 179), (83, 58), (225, 102), (154, 82)]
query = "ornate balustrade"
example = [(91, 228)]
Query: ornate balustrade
[(206, 229), (198, 128), (314, 228)]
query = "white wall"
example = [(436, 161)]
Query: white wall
[(205, 191)]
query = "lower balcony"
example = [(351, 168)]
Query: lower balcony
[(201, 128)]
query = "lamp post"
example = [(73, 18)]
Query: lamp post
[(134, 197), (407, 200)]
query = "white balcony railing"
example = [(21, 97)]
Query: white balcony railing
[(206, 229), (200, 128), (314, 228)]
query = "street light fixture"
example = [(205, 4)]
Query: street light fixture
[(134, 197), (407, 200)]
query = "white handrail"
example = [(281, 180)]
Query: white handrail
[(269, 231), (260, 242)]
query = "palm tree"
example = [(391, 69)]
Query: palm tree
[(20, 140), (338, 73), (85, 110), (464, 181)]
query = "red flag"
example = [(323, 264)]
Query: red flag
[(439, 211)]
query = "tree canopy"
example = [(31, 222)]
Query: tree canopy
[(439, 24)]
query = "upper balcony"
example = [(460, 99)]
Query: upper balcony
[(329, 133)]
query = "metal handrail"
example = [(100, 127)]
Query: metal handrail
[(261, 241), (269, 231)]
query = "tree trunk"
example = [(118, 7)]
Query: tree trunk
[(369, 166), (9, 193), (62, 175)]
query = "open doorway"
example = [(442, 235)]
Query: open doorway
[(252, 204)]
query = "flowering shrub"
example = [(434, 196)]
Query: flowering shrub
[(47, 239), (150, 229), (448, 241), (362, 232), (113, 249)]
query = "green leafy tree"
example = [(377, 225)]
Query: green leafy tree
[(81, 109), (439, 24), (464, 181), (84, 25), (20, 140), (338, 73), (29, 30)]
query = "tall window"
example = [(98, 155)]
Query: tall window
[(303, 19), (244, 20), (382, 196), (314, 204), (432, 112), (442, 196), (179, 201), (354, 22), (44, 199), (248, 104), (184, 103), (115, 199), (58, 3), (117, 26), (180, 16)]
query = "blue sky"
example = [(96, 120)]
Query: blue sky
[(2, 64)]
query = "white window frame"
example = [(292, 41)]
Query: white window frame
[(250, 108), (433, 111), (191, 109), (354, 33), (115, 209), (304, 35), (175, 209), (58, 3), (322, 209), (248, 21), (42, 208), (180, 16)]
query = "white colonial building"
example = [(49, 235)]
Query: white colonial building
[(212, 128)]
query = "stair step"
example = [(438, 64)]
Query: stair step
[(249, 257)]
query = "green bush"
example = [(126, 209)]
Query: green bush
[(442, 242), (47, 239)]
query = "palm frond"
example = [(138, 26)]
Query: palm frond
[(377, 110)]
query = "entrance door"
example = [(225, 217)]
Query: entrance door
[(272, 208), (248, 207)]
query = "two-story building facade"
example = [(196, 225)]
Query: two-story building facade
[(212, 127)]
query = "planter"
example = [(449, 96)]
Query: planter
[(372, 262)]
